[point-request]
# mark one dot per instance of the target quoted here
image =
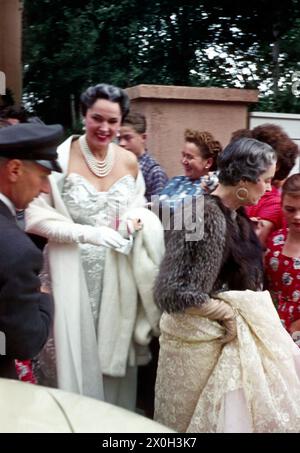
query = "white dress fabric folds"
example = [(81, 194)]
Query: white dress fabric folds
[(103, 337), (251, 384)]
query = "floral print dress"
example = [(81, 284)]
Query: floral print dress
[(181, 187), (283, 279)]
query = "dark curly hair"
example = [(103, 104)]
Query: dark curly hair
[(245, 159), (104, 91), (287, 151), (205, 141)]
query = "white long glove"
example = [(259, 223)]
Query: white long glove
[(68, 232), (219, 311)]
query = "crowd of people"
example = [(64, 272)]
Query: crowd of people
[(90, 280)]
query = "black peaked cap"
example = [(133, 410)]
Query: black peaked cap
[(32, 141)]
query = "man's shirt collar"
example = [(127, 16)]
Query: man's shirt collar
[(8, 203)]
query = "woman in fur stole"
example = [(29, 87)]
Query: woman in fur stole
[(226, 364)]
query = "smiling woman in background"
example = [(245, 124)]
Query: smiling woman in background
[(199, 156)]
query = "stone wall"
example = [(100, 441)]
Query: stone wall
[(10, 45), (169, 110)]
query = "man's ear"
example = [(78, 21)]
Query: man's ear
[(144, 136), (14, 169)]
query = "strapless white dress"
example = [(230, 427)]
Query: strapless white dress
[(88, 206)]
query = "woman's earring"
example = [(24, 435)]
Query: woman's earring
[(242, 194)]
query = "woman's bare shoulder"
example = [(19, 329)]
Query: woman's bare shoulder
[(127, 158)]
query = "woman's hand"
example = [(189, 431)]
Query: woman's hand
[(218, 310), (134, 225), (263, 228), (257, 224)]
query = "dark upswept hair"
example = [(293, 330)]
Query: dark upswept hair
[(104, 91), (286, 149), (205, 141), (244, 159), (291, 186)]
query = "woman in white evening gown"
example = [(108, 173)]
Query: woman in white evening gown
[(90, 219), (226, 364)]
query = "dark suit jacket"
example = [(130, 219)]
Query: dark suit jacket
[(26, 314)]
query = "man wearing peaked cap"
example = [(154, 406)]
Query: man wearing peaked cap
[(27, 157), (32, 141)]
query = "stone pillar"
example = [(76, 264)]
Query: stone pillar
[(10, 45), (169, 110)]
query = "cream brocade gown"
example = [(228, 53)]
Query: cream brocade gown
[(87, 206), (248, 385)]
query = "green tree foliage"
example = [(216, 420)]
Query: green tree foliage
[(70, 44)]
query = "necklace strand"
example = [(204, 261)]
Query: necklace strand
[(100, 168)]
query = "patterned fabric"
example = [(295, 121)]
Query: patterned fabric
[(251, 384), (86, 206), (155, 177), (25, 371), (283, 278), (180, 187)]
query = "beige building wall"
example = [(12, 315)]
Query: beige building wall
[(169, 110), (10, 45)]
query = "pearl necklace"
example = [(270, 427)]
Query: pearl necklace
[(100, 168)]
